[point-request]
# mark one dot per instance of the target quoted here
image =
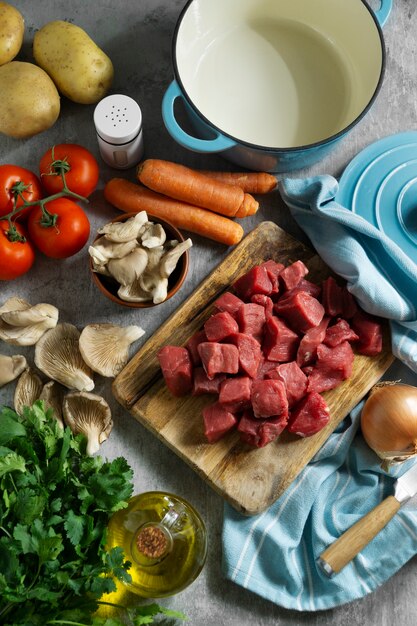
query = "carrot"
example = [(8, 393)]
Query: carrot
[(249, 206), (132, 198), (250, 182), (187, 185)]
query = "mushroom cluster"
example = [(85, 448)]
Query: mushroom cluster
[(137, 254), (68, 359)]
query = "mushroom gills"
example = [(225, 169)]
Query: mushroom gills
[(58, 356)]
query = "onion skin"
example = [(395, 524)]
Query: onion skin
[(389, 421)]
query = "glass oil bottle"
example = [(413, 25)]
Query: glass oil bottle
[(164, 538)]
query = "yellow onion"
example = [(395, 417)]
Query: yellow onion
[(389, 421)]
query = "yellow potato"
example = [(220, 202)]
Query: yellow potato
[(79, 68), (29, 100), (12, 27)]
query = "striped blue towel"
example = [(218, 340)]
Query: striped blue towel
[(274, 554)]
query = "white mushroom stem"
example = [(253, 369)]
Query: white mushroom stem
[(11, 367)]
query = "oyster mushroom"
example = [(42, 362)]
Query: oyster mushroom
[(103, 249), (153, 236), (52, 395), (57, 354), (170, 259), (89, 414), (22, 324), (134, 293), (124, 231), (11, 367), (154, 284), (28, 390), (105, 347), (127, 269)]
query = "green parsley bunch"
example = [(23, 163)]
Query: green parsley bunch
[(55, 503)]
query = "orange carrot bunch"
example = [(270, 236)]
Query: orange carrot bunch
[(201, 202)]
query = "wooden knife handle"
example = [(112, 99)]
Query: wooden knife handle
[(344, 549)]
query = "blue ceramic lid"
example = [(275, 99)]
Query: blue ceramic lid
[(380, 184)]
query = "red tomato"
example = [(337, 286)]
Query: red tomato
[(69, 233), (10, 175), (82, 175), (16, 257)]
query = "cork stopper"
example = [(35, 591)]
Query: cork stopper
[(152, 542)]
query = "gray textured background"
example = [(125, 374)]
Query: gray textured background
[(136, 34)]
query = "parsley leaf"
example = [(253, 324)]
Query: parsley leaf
[(55, 503)]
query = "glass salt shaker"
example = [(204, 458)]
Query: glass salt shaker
[(118, 122)]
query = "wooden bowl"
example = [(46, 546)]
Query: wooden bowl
[(109, 286)]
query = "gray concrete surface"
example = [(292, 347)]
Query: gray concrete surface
[(136, 34)]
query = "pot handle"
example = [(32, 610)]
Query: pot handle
[(383, 12), (218, 144)]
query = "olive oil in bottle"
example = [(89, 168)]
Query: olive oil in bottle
[(164, 538)]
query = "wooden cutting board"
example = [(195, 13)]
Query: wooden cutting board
[(249, 479)]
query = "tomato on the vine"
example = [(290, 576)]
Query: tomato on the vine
[(13, 176), (66, 236), (78, 164), (16, 257)]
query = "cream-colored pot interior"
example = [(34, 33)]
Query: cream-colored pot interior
[(279, 73)]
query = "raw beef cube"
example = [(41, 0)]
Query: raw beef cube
[(228, 302), (251, 319), (250, 353), (217, 421), (341, 331), (370, 333), (219, 358), (235, 393), (280, 342), (259, 432), (309, 416), (291, 275), (264, 301), (274, 269), (269, 399), (264, 367), (307, 350), (301, 310), (202, 384), (349, 307), (294, 379), (333, 366), (177, 369), (332, 297), (192, 346), (254, 281), (305, 285), (219, 326)]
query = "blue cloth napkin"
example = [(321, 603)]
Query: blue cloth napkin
[(274, 554)]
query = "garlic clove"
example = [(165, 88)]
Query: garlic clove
[(89, 414), (153, 236), (57, 355), (28, 390), (170, 259), (129, 230), (105, 347), (52, 395), (127, 269), (11, 367)]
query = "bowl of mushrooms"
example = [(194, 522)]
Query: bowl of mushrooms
[(138, 260)]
